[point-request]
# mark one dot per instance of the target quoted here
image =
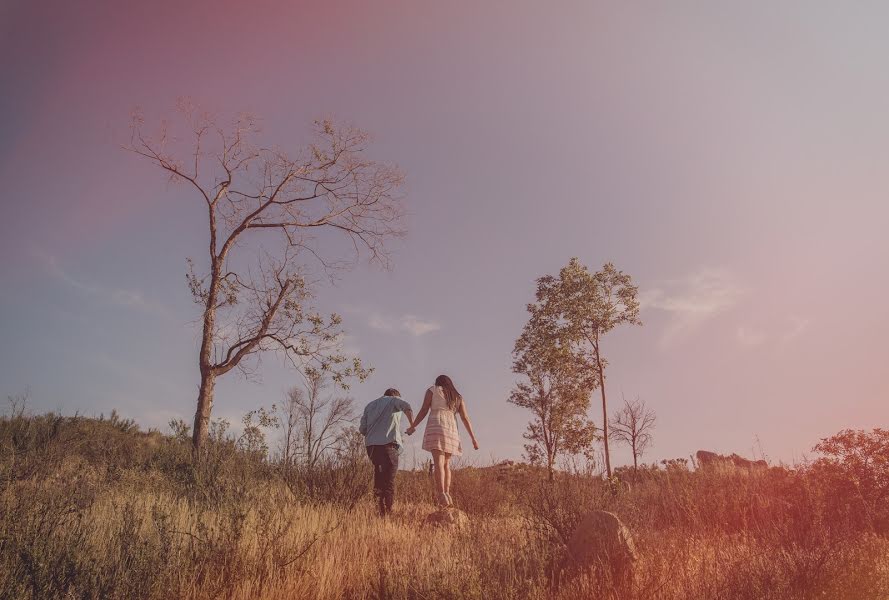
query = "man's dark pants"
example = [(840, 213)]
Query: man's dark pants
[(385, 462)]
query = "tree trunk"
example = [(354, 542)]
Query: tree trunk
[(604, 413), (288, 441), (208, 375), (202, 414)]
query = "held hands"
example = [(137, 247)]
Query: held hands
[(410, 430)]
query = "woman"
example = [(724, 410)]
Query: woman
[(443, 402)]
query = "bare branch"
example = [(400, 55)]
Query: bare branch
[(255, 296)]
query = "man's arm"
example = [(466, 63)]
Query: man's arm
[(404, 407), (427, 402), (362, 427)]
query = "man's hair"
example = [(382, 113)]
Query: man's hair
[(392, 392)]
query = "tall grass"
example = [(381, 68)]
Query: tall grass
[(96, 509)]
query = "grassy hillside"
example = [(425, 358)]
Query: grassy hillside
[(97, 509)]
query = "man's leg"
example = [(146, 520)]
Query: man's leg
[(390, 468), (375, 453)]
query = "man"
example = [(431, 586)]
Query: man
[(381, 427)]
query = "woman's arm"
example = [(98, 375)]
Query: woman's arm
[(427, 402), (464, 416)]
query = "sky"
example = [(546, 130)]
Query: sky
[(731, 157)]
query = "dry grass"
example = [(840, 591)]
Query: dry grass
[(127, 517)]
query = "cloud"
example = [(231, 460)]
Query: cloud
[(417, 326), (750, 337), (381, 323), (692, 301), (411, 324), (132, 299), (798, 326), (349, 344)]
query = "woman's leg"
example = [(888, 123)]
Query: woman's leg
[(438, 459), (447, 475)]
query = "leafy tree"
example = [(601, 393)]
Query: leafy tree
[(252, 439), (264, 211), (633, 425), (556, 390), (856, 465), (581, 308)]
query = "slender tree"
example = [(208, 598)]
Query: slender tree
[(583, 307), (264, 213), (556, 389), (634, 426), (316, 421)]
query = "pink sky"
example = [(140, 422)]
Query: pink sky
[(731, 158)]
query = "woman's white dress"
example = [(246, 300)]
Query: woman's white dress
[(441, 426)]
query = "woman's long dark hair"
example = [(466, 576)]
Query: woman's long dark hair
[(452, 396)]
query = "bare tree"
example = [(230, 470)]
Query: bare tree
[(289, 423), (18, 404), (264, 210), (316, 422), (633, 425)]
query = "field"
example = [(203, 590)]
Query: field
[(97, 509)]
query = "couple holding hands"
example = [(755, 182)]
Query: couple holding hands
[(381, 427)]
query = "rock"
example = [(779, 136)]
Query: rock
[(448, 517), (712, 459), (601, 540), (740, 461), (706, 458), (504, 470)]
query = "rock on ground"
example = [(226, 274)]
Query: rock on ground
[(448, 517), (709, 459), (601, 539)]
